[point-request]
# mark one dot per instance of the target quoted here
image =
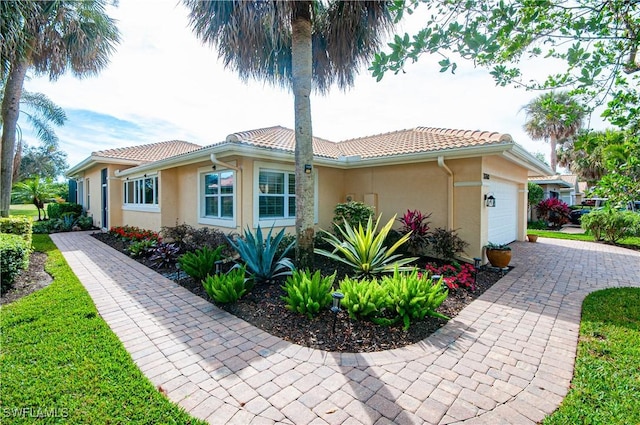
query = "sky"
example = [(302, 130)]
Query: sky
[(163, 84)]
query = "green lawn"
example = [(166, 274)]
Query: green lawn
[(59, 359), (632, 243), (29, 210), (606, 383)]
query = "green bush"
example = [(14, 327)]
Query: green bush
[(364, 250), (306, 293), (412, 296), (142, 248), (227, 288), (611, 225), (259, 254), (58, 210), (20, 225), (14, 257), (446, 243), (537, 225), (200, 263), (351, 212), (363, 298), (85, 222)]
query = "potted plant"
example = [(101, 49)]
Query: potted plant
[(499, 255), (531, 237)]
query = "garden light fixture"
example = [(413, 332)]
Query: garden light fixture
[(477, 263), (435, 278), (335, 306)]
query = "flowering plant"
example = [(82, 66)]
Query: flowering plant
[(454, 275), (415, 223), (134, 234)]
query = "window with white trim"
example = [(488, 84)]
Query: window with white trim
[(217, 195), (141, 191), (277, 197)]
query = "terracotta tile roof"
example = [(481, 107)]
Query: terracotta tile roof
[(149, 153), (417, 140), (570, 178), (281, 138)]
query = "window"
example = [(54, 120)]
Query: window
[(277, 197), (142, 191), (217, 195), (80, 193)]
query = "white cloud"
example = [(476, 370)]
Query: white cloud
[(166, 84)]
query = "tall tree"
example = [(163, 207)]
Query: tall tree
[(553, 117), (47, 37), (301, 45), (45, 160), (595, 41)]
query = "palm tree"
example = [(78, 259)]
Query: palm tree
[(553, 117), (36, 191), (47, 37), (298, 45)]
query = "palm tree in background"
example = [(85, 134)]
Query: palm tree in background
[(36, 191), (299, 45), (553, 117), (47, 37)]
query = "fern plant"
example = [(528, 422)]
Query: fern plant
[(200, 263), (412, 296), (227, 288), (363, 298), (364, 250), (260, 255), (306, 293)]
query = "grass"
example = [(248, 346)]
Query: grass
[(606, 380), (61, 361), (632, 242), (29, 210)]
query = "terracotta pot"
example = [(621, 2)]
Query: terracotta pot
[(532, 238), (499, 257)]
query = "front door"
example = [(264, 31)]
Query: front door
[(105, 206)]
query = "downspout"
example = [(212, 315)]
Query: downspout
[(215, 161), (441, 164)]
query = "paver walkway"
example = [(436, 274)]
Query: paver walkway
[(507, 358)]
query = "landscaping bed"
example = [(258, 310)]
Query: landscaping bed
[(264, 308)]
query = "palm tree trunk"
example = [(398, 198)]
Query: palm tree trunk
[(553, 142), (10, 113), (301, 71)]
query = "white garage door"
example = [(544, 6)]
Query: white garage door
[(503, 218)]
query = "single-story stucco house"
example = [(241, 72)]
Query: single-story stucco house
[(248, 179), (565, 187)]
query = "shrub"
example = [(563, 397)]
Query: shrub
[(142, 248), (537, 225), (85, 222), (133, 233), (363, 298), (205, 236), (176, 234), (554, 211), (416, 225), (227, 288), (611, 225), (22, 226), (351, 212), (446, 243), (307, 293), (535, 194), (58, 210), (454, 275), (164, 255), (363, 250), (14, 257), (259, 255), (200, 263), (412, 296)]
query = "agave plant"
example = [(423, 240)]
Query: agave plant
[(259, 255), (364, 250)]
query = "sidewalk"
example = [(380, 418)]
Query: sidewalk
[(507, 358)]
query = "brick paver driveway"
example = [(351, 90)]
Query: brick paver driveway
[(507, 358)]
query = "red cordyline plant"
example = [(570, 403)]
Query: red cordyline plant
[(554, 211), (134, 234), (416, 223), (454, 276)]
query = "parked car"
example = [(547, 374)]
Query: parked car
[(575, 216)]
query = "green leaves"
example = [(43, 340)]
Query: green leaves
[(227, 288), (363, 298), (364, 250), (307, 294), (200, 263)]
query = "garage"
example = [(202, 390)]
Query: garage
[(503, 218)]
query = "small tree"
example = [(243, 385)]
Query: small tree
[(35, 191)]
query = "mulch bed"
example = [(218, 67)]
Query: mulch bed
[(263, 308), (29, 280)]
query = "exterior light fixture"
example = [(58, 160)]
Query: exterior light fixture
[(307, 168), (335, 306), (490, 200), (435, 278), (477, 263)]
